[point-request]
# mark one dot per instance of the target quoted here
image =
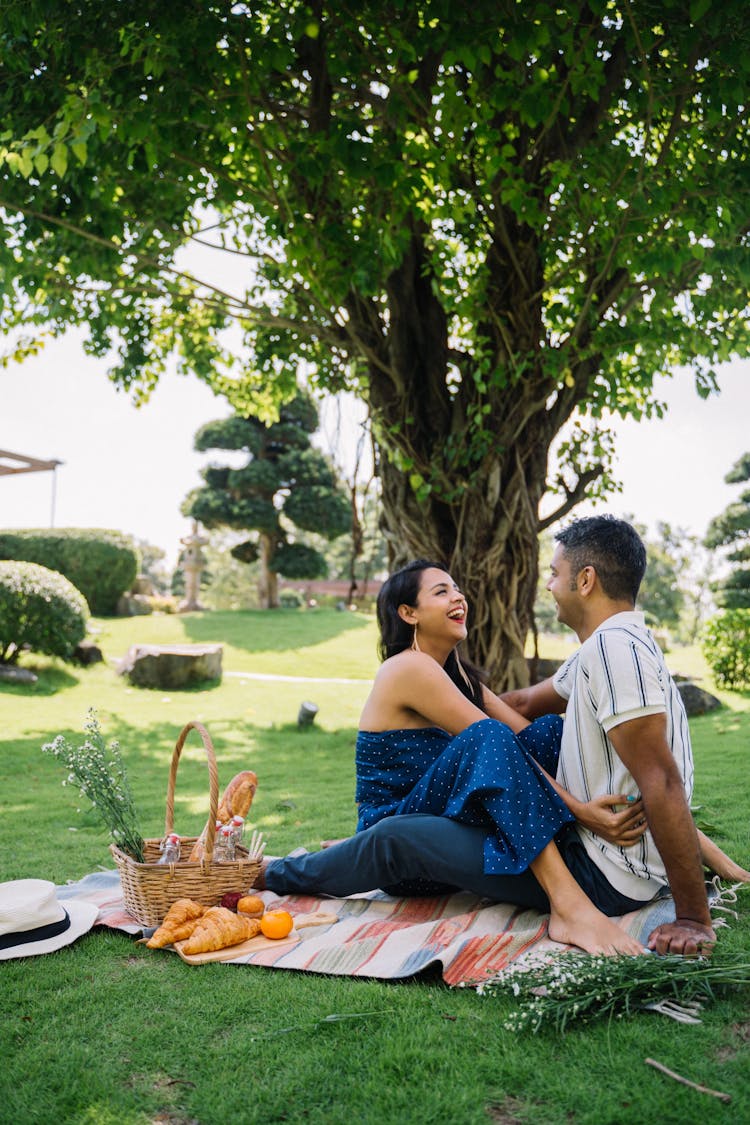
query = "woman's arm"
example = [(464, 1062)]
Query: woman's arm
[(497, 708), (536, 700)]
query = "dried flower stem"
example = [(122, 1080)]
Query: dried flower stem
[(99, 773), (686, 1081)]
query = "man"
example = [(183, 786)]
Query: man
[(625, 732), (625, 728)]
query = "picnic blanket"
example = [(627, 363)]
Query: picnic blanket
[(466, 938)]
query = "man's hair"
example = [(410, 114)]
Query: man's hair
[(615, 550)]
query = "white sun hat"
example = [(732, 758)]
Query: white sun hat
[(33, 921)]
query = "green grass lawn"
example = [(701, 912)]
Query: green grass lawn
[(105, 1032)]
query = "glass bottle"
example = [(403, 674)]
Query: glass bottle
[(170, 849), (224, 848), (238, 827)]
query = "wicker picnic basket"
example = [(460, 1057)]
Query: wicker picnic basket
[(149, 889)]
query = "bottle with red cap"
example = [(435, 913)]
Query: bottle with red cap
[(238, 827), (170, 849), (224, 848)]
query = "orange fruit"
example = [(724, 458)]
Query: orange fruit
[(276, 923)]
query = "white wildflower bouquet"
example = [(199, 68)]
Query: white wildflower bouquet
[(579, 987), (99, 773)]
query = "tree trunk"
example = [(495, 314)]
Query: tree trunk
[(268, 579), (466, 494), (489, 544)]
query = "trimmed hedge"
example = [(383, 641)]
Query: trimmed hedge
[(41, 609), (101, 564)]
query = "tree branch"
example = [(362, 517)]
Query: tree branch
[(573, 496)]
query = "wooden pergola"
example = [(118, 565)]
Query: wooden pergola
[(18, 463), (13, 463)]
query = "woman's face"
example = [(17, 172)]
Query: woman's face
[(441, 608)]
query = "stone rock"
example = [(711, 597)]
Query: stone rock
[(87, 653), (171, 666), (133, 605), (10, 674), (697, 701), (142, 585)]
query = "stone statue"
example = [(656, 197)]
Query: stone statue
[(192, 562)]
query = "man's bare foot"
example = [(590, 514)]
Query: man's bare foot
[(593, 932)]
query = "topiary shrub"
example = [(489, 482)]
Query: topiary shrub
[(726, 647), (101, 564), (40, 609)]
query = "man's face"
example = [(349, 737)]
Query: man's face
[(563, 587)]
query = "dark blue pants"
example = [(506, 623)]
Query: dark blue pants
[(419, 854)]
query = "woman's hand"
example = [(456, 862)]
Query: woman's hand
[(622, 828)]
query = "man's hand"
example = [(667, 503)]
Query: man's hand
[(684, 936), (622, 828)]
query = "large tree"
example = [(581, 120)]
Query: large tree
[(487, 219)]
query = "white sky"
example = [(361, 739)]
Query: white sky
[(130, 468)]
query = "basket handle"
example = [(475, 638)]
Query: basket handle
[(213, 785)]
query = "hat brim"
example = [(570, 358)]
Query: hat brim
[(82, 917)]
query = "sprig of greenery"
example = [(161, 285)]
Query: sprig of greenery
[(578, 987), (99, 773)]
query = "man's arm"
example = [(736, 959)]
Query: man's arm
[(539, 699), (642, 745)]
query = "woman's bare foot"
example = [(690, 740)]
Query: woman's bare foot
[(730, 872), (720, 863), (592, 931)]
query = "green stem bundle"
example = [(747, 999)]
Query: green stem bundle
[(578, 987), (99, 773)]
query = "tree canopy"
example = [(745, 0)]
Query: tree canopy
[(487, 220)]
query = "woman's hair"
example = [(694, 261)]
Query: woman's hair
[(397, 635)]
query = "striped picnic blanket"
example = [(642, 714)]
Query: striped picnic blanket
[(375, 935)]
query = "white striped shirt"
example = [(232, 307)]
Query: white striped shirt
[(618, 674)]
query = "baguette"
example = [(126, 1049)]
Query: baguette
[(235, 801)]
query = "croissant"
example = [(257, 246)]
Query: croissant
[(178, 923), (235, 801), (219, 928)]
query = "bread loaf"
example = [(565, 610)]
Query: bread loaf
[(235, 801), (252, 906)]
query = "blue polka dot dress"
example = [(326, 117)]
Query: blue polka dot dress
[(484, 776)]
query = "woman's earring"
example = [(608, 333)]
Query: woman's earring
[(415, 643), (462, 674)]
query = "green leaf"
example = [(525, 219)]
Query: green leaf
[(25, 162), (59, 159)]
